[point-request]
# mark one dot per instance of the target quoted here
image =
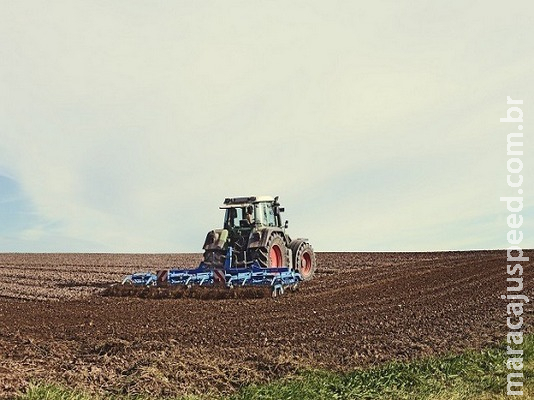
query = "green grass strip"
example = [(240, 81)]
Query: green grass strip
[(479, 375)]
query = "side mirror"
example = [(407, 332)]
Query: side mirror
[(286, 225)]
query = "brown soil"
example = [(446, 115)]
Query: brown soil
[(361, 308)]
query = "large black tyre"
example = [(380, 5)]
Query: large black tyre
[(214, 258), (274, 254), (304, 260)]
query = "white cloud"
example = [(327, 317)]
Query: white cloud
[(127, 124)]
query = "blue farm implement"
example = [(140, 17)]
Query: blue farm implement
[(277, 279)]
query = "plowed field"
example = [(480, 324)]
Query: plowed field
[(361, 308)]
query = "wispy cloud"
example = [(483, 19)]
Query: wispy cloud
[(125, 125)]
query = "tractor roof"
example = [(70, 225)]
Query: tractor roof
[(231, 202)]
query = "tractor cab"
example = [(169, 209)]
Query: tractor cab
[(245, 218), (246, 212)]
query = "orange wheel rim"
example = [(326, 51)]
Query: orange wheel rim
[(276, 256), (306, 264)]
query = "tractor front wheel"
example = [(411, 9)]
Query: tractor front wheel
[(214, 258)]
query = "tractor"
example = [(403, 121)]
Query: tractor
[(253, 228), (252, 249)]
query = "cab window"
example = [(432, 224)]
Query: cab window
[(268, 214), (233, 216)]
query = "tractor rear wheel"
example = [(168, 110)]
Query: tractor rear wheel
[(274, 254), (304, 260)]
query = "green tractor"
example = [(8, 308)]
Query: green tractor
[(253, 228)]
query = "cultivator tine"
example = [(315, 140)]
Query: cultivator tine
[(278, 290)]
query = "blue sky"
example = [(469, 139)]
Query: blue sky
[(123, 125), (16, 210)]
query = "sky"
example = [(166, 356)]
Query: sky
[(125, 124)]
